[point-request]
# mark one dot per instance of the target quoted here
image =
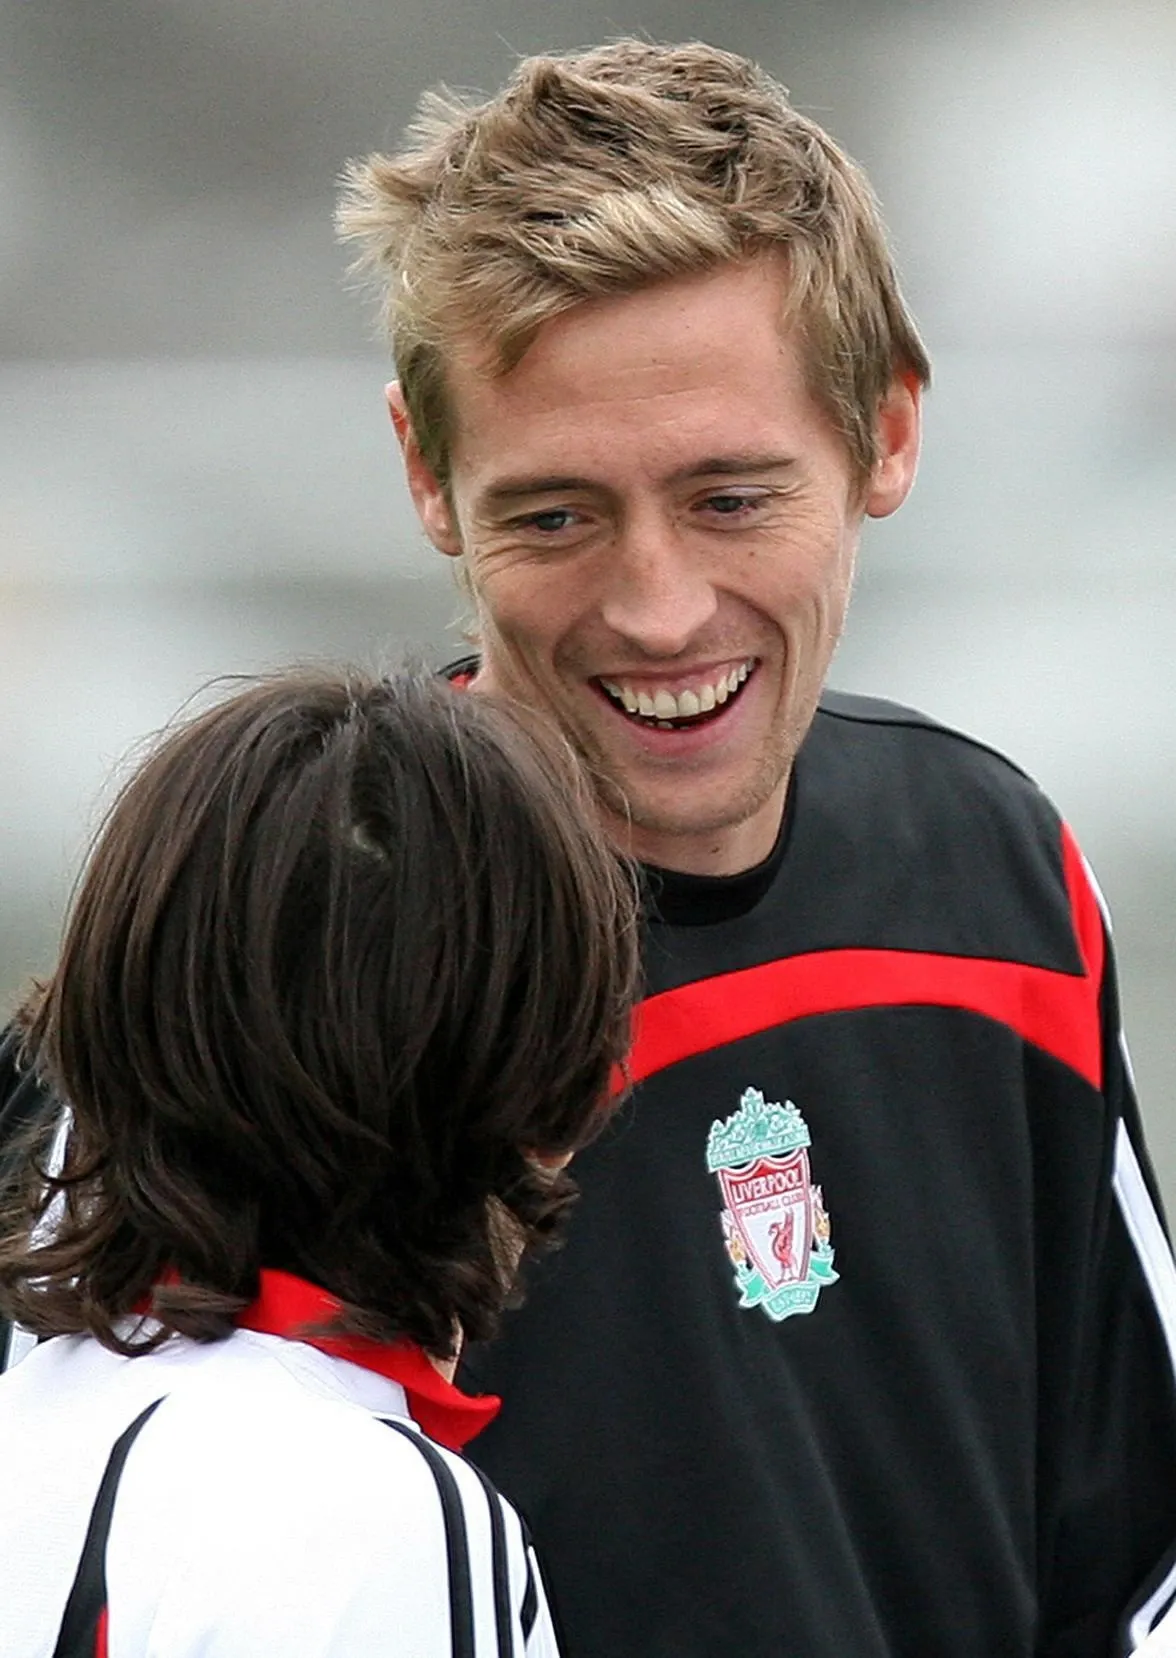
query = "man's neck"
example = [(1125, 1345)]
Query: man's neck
[(728, 850)]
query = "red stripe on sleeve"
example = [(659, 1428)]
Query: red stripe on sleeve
[(1057, 1012), (100, 1634), (1085, 910)]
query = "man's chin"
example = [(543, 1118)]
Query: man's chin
[(672, 834), (666, 819)]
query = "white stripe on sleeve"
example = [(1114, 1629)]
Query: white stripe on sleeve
[(1159, 1269)]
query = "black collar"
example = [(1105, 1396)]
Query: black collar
[(679, 900)]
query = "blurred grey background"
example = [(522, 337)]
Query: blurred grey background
[(197, 475)]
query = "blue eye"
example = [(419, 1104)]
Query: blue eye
[(729, 505), (555, 519)]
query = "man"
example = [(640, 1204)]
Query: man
[(862, 1342)]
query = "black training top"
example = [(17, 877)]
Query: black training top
[(854, 1350)]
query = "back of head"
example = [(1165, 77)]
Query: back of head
[(348, 956), (604, 171)]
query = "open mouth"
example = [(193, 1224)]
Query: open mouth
[(667, 710)]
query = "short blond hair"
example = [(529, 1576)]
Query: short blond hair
[(599, 173)]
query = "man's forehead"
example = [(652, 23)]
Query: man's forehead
[(629, 318), (659, 355)]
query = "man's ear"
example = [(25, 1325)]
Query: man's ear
[(428, 497), (899, 432)]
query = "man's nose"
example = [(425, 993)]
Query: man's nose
[(657, 596)]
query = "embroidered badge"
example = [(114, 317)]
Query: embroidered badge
[(774, 1222)]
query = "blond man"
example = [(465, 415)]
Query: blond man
[(863, 1342)]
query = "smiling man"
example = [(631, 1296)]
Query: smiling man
[(661, 529), (862, 1343)]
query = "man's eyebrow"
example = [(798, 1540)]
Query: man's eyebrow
[(517, 489), (733, 466), (507, 490)]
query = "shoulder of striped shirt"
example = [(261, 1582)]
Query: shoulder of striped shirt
[(511, 1598)]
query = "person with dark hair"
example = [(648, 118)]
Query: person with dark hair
[(345, 984)]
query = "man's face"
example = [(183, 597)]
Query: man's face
[(660, 528)]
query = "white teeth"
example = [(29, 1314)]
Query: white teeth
[(688, 705), (665, 706)]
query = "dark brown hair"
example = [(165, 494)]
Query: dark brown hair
[(348, 955)]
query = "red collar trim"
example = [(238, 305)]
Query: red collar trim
[(286, 1305)]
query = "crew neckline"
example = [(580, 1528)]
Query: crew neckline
[(678, 899)]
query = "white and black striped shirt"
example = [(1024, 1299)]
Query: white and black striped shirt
[(251, 1497)]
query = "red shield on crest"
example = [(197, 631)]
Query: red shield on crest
[(770, 1203)]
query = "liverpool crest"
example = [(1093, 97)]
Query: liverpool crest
[(774, 1222)]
